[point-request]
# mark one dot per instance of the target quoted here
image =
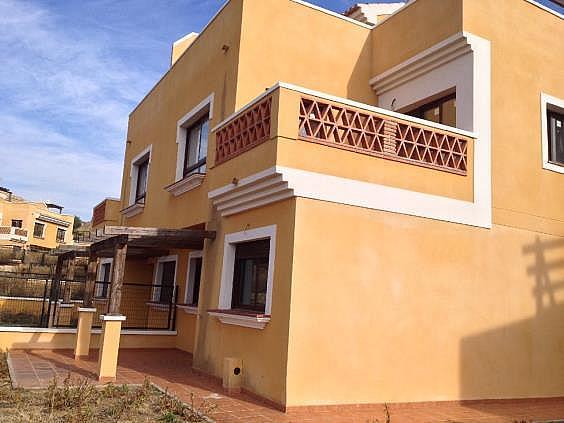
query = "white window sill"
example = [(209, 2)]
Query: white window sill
[(247, 320), (133, 210), (553, 167), (186, 184), (188, 309)]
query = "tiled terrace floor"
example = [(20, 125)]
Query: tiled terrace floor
[(172, 369)]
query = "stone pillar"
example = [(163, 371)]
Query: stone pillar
[(83, 332), (109, 347)]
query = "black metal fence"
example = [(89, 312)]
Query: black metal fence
[(145, 306), (32, 301)]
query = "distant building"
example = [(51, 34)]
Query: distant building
[(33, 225), (105, 213)]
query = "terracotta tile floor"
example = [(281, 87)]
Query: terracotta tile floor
[(169, 368)]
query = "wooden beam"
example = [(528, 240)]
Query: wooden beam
[(54, 293), (108, 243), (163, 232), (90, 281), (118, 268)]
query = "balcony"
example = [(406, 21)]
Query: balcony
[(345, 125), (10, 233)]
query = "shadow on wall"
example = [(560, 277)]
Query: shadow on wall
[(524, 358)]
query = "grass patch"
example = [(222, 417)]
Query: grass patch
[(76, 401)]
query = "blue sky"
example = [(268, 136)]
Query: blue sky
[(71, 73)]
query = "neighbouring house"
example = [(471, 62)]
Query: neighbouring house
[(105, 213), (328, 211), (33, 225)]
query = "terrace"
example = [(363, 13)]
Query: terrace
[(11, 233)]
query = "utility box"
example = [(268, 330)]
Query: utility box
[(232, 374)]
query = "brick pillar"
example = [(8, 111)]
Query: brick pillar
[(390, 130)]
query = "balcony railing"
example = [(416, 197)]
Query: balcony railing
[(12, 233), (347, 125)]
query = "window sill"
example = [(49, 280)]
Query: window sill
[(188, 309), (133, 210), (100, 300), (241, 318), (186, 184)]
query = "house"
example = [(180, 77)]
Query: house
[(105, 213), (33, 225), (350, 211)]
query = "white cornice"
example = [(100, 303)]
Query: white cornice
[(186, 184), (133, 210), (424, 62)]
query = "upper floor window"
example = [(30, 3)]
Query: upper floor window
[(555, 129), (16, 223), (552, 133), (196, 149), (61, 235), (442, 110), (140, 165), (141, 185), (39, 230)]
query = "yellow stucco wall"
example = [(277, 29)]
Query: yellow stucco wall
[(264, 352), (399, 308)]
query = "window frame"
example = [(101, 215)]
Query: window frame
[(99, 291), (429, 104), (157, 275), (228, 266), (57, 239), (139, 159), (236, 303), (42, 236), (140, 198), (205, 107), (16, 226), (549, 104), (194, 169), (190, 278)]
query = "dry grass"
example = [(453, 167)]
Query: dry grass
[(76, 401)]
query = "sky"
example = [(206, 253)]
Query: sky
[(71, 72)]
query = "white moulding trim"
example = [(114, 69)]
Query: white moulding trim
[(186, 184), (253, 322), (133, 210), (87, 310), (112, 318)]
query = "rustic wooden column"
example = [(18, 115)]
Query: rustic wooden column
[(120, 254), (86, 313), (69, 278)]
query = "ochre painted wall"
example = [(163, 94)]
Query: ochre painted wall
[(388, 307), (263, 351)]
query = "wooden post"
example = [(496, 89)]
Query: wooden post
[(120, 254), (90, 283), (68, 280)]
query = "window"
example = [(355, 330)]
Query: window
[(552, 133), (61, 235), (16, 223), (38, 230), (555, 131), (196, 147), (141, 183), (165, 280), (441, 111), (139, 177), (193, 278), (103, 280), (250, 275)]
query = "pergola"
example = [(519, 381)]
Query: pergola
[(118, 242)]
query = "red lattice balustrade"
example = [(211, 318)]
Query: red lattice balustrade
[(382, 136), (246, 131)]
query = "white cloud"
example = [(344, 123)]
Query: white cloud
[(65, 97)]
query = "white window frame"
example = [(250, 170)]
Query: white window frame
[(549, 102), (98, 291), (134, 172), (157, 273), (229, 248), (182, 128), (42, 232), (189, 292)]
